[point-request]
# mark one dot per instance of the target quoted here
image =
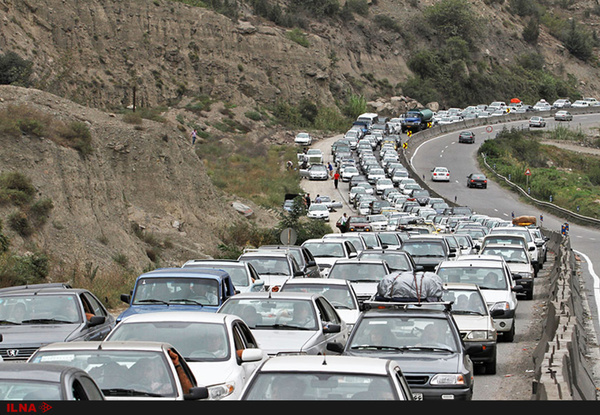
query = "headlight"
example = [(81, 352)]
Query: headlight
[(448, 379), (502, 305), (218, 392), (481, 335)]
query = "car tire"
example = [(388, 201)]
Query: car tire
[(529, 295), (490, 367), (484, 186), (509, 336)]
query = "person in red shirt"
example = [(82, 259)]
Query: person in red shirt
[(336, 179)]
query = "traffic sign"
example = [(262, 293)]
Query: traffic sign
[(409, 133), (288, 236), (527, 172), (405, 145), (489, 129)]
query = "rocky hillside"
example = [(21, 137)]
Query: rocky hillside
[(92, 59)]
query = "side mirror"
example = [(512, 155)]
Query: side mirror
[(96, 321), (332, 328), (126, 298), (335, 347), (196, 393)]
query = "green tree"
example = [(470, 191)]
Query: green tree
[(454, 18), (531, 31), (14, 70)]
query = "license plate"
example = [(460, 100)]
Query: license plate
[(417, 396)]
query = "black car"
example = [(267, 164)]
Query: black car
[(425, 341), (477, 180), (46, 382), (38, 314), (396, 259), (466, 137), (303, 256), (427, 251)]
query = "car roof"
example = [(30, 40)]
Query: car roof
[(359, 261), (198, 263), (460, 286), (188, 272), (44, 289), (474, 263), (285, 295), (49, 372), (326, 363), (129, 345), (264, 253), (316, 281), (480, 257), (504, 246), (184, 316)]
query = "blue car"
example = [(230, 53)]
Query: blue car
[(178, 289)]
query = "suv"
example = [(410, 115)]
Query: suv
[(178, 289), (303, 256), (273, 266), (37, 314), (496, 284), (244, 276), (425, 341), (518, 261), (475, 323)]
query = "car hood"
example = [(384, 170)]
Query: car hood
[(495, 296), (363, 289), (275, 341), (349, 316), (468, 322), (37, 334), (518, 268), (419, 362), (210, 373), (153, 308)]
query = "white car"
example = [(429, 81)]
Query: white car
[(131, 370), (303, 139), (290, 323), (495, 282), (348, 173), (328, 378), (440, 174), (340, 294), (382, 184), (220, 349), (518, 262), (542, 105), (580, 103), (475, 322), (378, 222), (326, 251), (318, 211)]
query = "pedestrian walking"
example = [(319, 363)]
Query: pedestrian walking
[(194, 135), (307, 200), (336, 179), (330, 167), (342, 223)]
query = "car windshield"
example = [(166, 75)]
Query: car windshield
[(196, 341), (338, 295), (402, 334), (40, 309), (119, 373), (396, 262), (320, 386), (274, 314), (423, 249), (465, 301), (274, 265), (237, 273), (29, 390), (358, 272), (487, 278), (326, 250), (190, 291), (318, 207), (510, 255)]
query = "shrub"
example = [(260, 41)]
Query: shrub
[(298, 36), (14, 70), (19, 223)]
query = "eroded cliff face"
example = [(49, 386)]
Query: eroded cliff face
[(145, 176), (94, 52)]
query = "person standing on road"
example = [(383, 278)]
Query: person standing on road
[(336, 178), (342, 223), (330, 167), (307, 200)]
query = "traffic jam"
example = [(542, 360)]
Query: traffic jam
[(406, 300)]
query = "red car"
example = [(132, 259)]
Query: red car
[(359, 224)]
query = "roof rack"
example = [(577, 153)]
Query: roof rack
[(404, 305)]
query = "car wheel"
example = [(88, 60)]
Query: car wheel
[(485, 186), (490, 367), (529, 295), (509, 336)]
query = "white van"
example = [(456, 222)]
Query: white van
[(369, 117)]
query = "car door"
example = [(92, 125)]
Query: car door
[(100, 331), (243, 339), (328, 315), (311, 268)]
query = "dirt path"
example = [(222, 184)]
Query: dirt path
[(572, 147)]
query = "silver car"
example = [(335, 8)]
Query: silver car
[(289, 322)]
